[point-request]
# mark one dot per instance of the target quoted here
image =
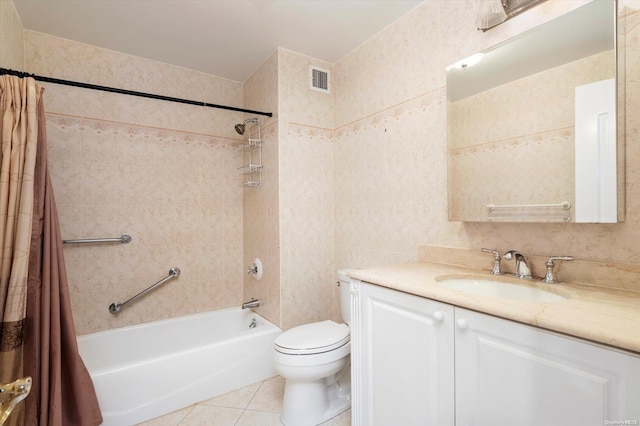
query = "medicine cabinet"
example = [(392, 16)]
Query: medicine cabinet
[(515, 150)]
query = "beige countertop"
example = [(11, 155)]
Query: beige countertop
[(599, 314)]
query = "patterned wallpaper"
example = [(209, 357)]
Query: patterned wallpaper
[(352, 179), (175, 193), (165, 173), (12, 52), (387, 148)]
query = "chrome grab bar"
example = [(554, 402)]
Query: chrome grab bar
[(565, 205), (115, 307), (125, 239)]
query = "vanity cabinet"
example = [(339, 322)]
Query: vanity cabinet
[(516, 374), (402, 359), (417, 361)]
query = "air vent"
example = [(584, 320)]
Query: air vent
[(319, 79)]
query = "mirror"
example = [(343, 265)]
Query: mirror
[(515, 150)]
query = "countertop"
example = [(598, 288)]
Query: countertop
[(600, 314)]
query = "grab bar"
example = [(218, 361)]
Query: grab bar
[(565, 205), (115, 307), (125, 239)]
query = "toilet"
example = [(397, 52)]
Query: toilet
[(314, 359)]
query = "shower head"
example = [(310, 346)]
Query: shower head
[(241, 127)]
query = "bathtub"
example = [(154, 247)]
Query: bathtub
[(148, 370)]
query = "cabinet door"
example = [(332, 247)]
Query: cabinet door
[(513, 374), (403, 364)]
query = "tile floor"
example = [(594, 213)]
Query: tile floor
[(259, 404)]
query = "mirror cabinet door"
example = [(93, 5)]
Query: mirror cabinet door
[(515, 150)]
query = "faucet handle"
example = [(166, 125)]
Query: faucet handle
[(549, 277), (497, 270)]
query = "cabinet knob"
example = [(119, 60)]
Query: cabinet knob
[(462, 324), (438, 316)]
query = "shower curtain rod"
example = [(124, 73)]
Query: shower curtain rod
[(126, 92)]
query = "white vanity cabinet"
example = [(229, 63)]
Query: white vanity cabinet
[(515, 374), (402, 358), (417, 361)]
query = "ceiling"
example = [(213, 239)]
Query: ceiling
[(227, 38)]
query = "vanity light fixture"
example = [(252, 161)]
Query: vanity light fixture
[(490, 14), (467, 62), (494, 12)]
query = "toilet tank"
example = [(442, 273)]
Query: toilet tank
[(345, 294)]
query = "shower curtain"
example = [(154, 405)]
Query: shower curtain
[(17, 166), (37, 335)]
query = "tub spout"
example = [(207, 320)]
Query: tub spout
[(253, 303)]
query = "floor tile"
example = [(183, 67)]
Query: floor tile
[(171, 419), (259, 418), (206, 415), (237, 399), (259, 404), (268, 397), (343, 419)]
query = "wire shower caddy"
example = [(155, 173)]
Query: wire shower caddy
[(252, 147)]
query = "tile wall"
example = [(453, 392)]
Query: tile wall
[(307, 277), (390, 142), (165, 173), (289, 219), (260, 204), (11, 39)]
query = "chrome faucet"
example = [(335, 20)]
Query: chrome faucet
[(522, 266), (497, 270), (253, 303), (550, 276)]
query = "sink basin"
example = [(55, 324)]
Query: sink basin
[(488, 287)]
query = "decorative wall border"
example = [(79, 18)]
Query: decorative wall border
[(81, 124), (395, 112), (552, 136)]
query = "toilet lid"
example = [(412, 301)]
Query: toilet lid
[(313, 338)]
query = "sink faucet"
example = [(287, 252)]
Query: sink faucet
[(497, 270), (550, 276), (253, 303), (522, 266)]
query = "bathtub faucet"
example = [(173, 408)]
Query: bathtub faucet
[(253, 303)]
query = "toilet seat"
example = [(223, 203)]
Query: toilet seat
[(314, 338)]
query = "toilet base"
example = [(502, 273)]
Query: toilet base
[(311, 403)]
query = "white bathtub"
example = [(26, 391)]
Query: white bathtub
[(148, 370)]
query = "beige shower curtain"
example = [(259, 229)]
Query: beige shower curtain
[(37, 335), (18, 130)]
